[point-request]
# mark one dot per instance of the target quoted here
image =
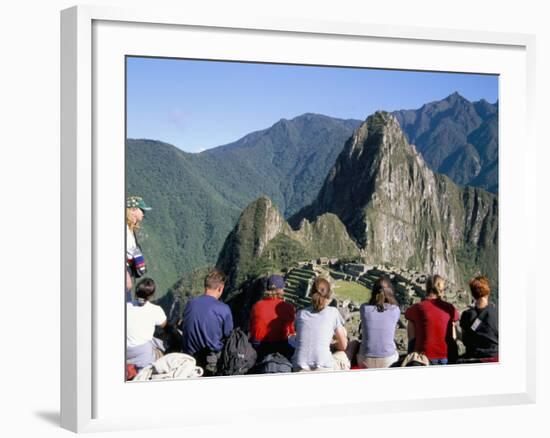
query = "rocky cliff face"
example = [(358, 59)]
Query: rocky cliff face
[(258, 224), (457, 138), (326, 236), (398, 211)]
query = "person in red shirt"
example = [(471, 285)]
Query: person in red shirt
[(432, 323), (272, 320)]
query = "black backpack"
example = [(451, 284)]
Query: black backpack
[(238, 355), (273, 363)]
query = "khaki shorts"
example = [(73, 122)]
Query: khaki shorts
[(376, 362), (339, 359)]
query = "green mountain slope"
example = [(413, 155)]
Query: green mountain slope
[(290, 159), (197, 198), (190, 218)]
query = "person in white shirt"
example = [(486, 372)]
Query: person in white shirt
[(316, 326), (142, 317)]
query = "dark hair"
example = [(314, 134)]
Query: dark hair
[(435, 285), (479, 286), (382, 292), (320, 293), (214, 279), (145, 289)]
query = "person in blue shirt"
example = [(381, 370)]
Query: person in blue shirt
[(207, 323)]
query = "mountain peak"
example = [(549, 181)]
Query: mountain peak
[(262, 209), (258, 224), (454, 97), (457, 101), (370, 159), (381, 119), (376, 134), (311, 116)]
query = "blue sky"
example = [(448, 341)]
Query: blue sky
[(196, 105)]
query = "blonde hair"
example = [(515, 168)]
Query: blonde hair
[(132, 224), (435, 285), (321, 293)]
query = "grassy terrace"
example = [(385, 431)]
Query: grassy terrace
[(351, 290)]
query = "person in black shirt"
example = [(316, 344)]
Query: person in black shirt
[(479, 324)]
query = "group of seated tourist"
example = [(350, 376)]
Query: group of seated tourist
[(314, 338)]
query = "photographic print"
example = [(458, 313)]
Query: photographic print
[(294, 218)]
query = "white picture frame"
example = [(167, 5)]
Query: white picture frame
[(93, 39)]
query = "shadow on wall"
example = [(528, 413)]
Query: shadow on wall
[(51, 417)]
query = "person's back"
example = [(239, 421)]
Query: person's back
[(314, 332), (479, 323), (378, 323), (206, 323), (433, 319), (432, 324), (142, 317), (141, 321), (378, 329), (480, 331), (271, 320)]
